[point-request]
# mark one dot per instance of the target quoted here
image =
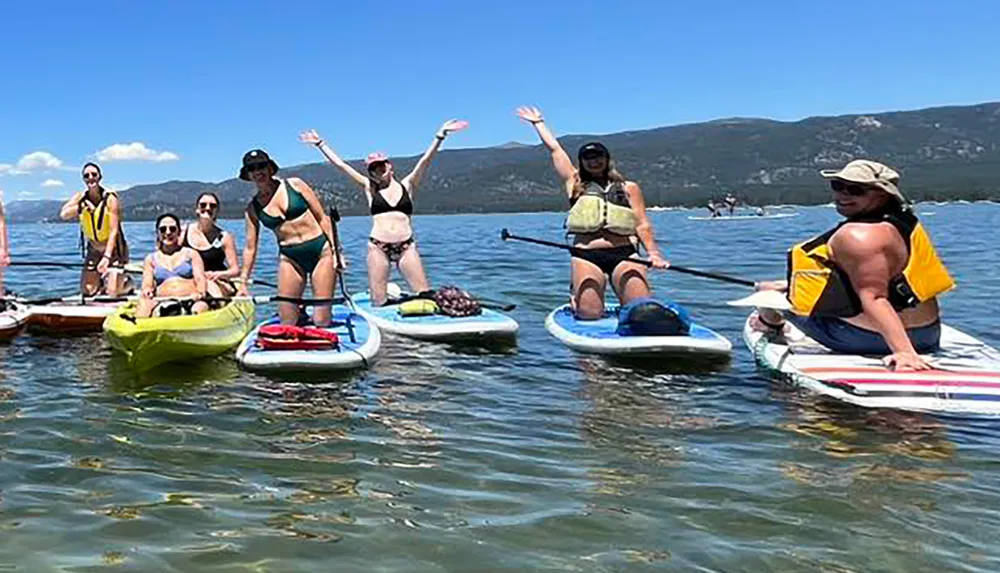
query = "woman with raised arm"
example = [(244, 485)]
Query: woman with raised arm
[(391, 203), (291, 209), (607, 218), (216, 247), (4, 246)]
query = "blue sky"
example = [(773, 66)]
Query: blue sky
[(181, 89)]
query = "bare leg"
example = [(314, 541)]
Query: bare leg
[(144, 307), (324, 285), (630, 282), (378, 274), (290, 284), (589, 283), (90, 283), (413, 270)]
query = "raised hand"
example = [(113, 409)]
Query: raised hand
[(453, 125), (530, 114), (311, 137)]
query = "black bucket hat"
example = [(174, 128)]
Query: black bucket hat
[(254, 157)]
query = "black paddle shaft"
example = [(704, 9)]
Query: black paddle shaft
[(505, 235)]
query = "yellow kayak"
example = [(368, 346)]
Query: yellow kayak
[(148, 342)]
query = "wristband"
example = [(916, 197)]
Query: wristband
[(319, 143), (440, 137)]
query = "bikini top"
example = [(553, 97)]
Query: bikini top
[(160, 273), (214, 256), (296, 207), (380, 205)]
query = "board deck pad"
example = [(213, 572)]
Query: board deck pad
[(965, 378)]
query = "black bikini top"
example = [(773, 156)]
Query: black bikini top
[(380, 205)]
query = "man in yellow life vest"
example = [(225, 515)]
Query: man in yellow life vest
[(106, 254), (870, 284)]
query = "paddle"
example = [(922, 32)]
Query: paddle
[(263, 299), (505, 235), (45, 264)]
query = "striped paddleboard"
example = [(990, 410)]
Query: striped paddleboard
[(966, 378)]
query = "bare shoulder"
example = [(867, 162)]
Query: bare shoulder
[(863, 239)]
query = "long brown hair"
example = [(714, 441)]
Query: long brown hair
[(583, 176)]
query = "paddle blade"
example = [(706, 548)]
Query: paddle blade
[(764, 299), (504, 234)]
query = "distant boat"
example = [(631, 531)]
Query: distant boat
[(744, 217)]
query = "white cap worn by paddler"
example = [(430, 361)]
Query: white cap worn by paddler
[(866, 172)]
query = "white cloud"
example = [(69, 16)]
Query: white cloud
[(52, 183), (35, 161), (5, 168), (135, 151)]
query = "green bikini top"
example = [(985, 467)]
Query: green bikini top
[(296, 207)]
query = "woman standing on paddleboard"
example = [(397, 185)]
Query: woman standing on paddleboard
[(291, 209), (216, 247), (607, 216), (391, 202), (106, 252), (4, 246)]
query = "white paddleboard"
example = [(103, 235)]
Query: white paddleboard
[(600, 337), (359, 343), (966, 378), (437, 327)]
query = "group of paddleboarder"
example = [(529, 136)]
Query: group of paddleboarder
[(868, 286)]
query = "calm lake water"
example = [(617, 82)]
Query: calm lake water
[(534, 458)]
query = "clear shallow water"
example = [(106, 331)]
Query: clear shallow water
[(451, 459)]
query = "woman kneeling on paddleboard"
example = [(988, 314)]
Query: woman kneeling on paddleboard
[(870, 284), (106, 252), (172, 270), (391, 202), (607, 215), (216, 247), (291, 209)]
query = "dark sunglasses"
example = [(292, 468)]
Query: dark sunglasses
[(91, 175), (167, 229), (212, 206), (591, 156), (257, 167), (849, 188)]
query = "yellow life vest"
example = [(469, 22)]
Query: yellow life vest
[(95, 220), (817, 287), (598, 209)]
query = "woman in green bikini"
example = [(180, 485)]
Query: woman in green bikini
[(291, 209)]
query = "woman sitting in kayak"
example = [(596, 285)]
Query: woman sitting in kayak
[(99, 213), (607, 216), (391, 203), (216, 247), (291, 209), (172, 270)]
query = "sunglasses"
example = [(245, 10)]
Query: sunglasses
[(167, 229), (849, 188), (591, 156), (257, 167), (208, 205), (91, 175)]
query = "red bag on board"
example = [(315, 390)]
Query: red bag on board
[(290, 337)]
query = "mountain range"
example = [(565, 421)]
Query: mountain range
[(943, 153)]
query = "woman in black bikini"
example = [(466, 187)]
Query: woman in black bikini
[(391, 201), (607, 218), (216, 247)]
